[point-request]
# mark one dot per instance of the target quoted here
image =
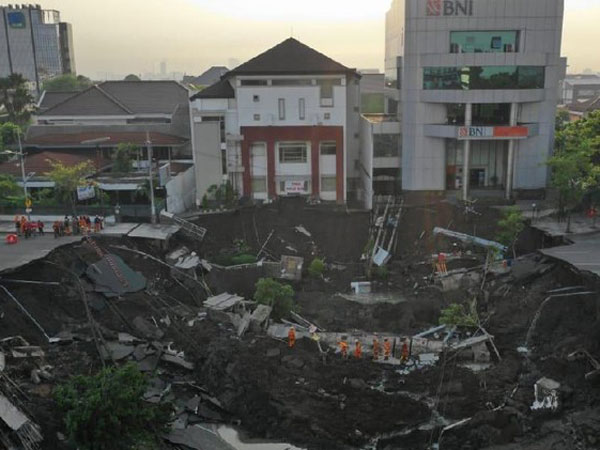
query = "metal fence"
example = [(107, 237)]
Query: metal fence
[(125, 211)]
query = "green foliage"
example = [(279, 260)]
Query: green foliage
[(15, 97), (575, 168), (122, 157), (459, 315), (277, 295), (241, 246), (8, 186), (224, 193), (562, 118), (204, 204), (132, 77), (106, 411), (66, 83), (509, 227), (316, 268), (244, 258), (68, 178)]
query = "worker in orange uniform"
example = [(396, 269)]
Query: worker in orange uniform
[(344, 348), (375, 348), (404, 354), (291, 337), (357, 349), (387, 349)]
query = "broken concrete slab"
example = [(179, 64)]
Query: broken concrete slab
[(127, 338), (546, 394), (11, 415), (304, 231), (174, 359), (198, 437), (361, 287), (147, 329), (116, 351), (27, 351), (259, 317), (223, 302), (112, 277)]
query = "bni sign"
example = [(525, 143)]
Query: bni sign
[(449, 7), (516, 132)]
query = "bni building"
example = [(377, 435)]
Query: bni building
[(34, 43), (479, 87)]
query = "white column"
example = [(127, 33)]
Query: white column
[(511, 152), (467, 151)]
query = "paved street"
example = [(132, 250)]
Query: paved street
[(27, 250), (584, 254)]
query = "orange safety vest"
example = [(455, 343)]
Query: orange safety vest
[(375, 348), (291, 337), (344, 348), (358, 350), (387, 348)]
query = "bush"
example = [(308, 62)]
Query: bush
[(277, 295), (509, 227), (459, 315), (316, 268), (106, 411), (244, 258)]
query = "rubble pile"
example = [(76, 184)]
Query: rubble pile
[(519, 370)]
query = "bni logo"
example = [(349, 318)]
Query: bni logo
[(434, 7), (449, 7)]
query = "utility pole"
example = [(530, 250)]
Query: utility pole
[(23, 176), (152, 205)]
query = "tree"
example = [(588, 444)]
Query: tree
[(15, 97), (8, 137), (510, 227), (68, 178), (8, 186), (575, 164), (67, 83), (123, 157), (132, 77), (106, 411), (275, 294)]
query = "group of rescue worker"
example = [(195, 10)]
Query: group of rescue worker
[(28, 228), (77, 225), (357, 353)]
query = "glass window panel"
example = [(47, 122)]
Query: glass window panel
[(328, 148), (386, 145), (484, 41), (291, 153), (483, 77)]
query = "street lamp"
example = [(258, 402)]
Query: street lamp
[(23, 177)]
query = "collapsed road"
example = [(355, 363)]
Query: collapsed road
[(524, 377)]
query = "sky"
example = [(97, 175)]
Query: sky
[(135, 36)]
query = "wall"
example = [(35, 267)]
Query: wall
[(365, 193), (181, 192), (207, 156)]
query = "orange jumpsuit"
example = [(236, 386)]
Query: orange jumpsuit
[(344, 348), (387, 349), (404, 357), (358, 350), (291, 337), (375, 349)]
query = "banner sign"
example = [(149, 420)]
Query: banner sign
[(449, 7), (295, 187), (85, 193), (466, 133)]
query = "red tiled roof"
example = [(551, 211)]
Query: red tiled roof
[(115, 138), (40, 162)]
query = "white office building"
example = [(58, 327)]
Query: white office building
[(479, 87)]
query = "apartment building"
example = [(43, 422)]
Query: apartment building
[(479, 88), (284, 123)]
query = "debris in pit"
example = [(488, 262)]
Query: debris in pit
[(585, 355), (109, 273), (361, 287), (26, 431), (291, 267), (546, 395), (147, 329), (304, 231), (116, 351), (468, 239), (198, 437), (223, 302)]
